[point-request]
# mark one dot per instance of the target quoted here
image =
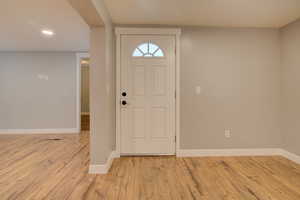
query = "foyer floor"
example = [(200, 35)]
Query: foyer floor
[(56, 167)]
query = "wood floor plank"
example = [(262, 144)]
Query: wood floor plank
[(35, 167)]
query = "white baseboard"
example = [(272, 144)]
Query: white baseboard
[(238, 152), (39, 131), (227, 152), (104, 169), (290, 156)]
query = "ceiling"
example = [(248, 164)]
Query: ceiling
[(22, 21), (232, 13), (88, 12)]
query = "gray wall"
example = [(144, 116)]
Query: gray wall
[(239, 74), (85, 89), (28, 100), (102, 99), (238, 70), (290, 46)]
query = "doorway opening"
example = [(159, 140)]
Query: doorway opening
[(83, 96)]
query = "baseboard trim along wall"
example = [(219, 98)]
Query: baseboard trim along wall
[(290, 156), (227, 152), (39, 131), (103, 169), (238, 152)]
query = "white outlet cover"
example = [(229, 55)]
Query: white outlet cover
[(227, 133), (198, 90)]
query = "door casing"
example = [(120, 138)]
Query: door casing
[(147, 31)]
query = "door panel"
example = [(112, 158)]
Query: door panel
[(159, 80), (148, 118), (158, 122), (139, 81), (138, 122)]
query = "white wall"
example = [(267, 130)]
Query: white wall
[(102, 99), (290, 48), (30, 102), (238, 71)]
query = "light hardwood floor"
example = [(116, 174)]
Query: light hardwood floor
[(85, 122), (56, 167)]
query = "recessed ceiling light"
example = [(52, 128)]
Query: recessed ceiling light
[(84, 62), (48, 32)]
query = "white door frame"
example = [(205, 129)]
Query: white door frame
[(147, 31), (79, 57)]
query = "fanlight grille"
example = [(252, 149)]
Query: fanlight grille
[(148, 50)]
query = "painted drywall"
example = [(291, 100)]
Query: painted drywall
[(37, 90), (111, 83), (290, 49), (85, 89), (87, 11), (238, 71), (102, 96)]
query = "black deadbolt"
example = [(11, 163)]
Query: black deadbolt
[(124, 103), (124, 94)]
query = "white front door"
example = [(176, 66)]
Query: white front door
[(147, 95)]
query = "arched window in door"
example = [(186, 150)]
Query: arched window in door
[(148, 50)]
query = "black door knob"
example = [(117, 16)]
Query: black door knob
[(124, 94), (124, 103)]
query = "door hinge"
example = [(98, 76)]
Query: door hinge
[(175, 139)]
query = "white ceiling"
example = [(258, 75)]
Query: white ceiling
[(22, 20), (88, 12), (233, 13)]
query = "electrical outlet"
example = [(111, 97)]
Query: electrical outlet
[(227, 133), (198, 90)]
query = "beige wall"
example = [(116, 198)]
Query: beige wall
[(290, 48), (102, 96), (28, 100), (85, 89), (238, 71)]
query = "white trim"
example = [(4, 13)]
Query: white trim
[(290, 156), (79, 56), (39, 131), (147, 31), (118, 95), (238, 152), (177, 90), (103, 169), (102, 11), (228, 152)]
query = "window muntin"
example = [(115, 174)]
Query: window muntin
[(148, 50)]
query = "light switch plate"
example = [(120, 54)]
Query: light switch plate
[(43, 77)]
